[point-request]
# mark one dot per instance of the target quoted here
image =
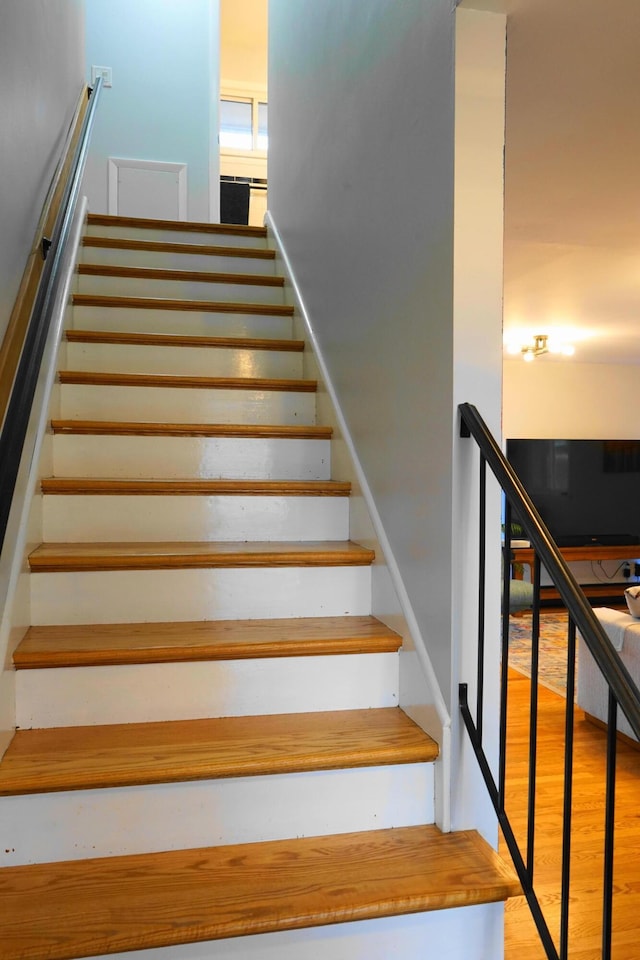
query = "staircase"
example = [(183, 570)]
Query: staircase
[(209, 742)]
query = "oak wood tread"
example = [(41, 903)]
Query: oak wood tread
[(81, 486), (173, 340), (189, 276), (159, 246), (171, 303), (59, 557), (176, 751), (122, 643), (66, 910), (184, 226), (271, 384), (151, 429)]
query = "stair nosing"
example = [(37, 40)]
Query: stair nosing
[(170, 303), (107, 379), (81, 486), (168, 246), (180, 226), (152, 428), (177, 275), (174, 340), (86, 645), (51, 760), (178, 555), (218, 892)]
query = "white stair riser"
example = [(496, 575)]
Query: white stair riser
[(178, 289), (186, 405), (84, 519), (142, 693), (183, 361), (167, 235), (175, 816), (191, 323), (190, 457), (167, 260), (125, 596)]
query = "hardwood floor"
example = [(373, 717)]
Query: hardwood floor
[(521, 940)]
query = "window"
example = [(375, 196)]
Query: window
[(263, 138), (243, 124), (235, 124)]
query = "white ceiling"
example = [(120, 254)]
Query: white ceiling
[(244, 23), (572, 174)]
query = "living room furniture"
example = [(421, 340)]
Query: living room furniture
[(595, 591), (593, 693)]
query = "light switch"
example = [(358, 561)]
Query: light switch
[(104, 72)]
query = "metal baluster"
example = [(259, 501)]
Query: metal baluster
[(609, 824), (504, 663), (481, 594), (568, 791), (533, 716)]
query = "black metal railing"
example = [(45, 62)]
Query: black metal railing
[(18, 412), (622, 690)]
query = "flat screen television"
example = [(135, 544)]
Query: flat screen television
[(586, 491)]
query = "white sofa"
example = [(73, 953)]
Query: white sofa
[(593, 697)]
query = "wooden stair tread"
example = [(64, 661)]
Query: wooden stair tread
[(151, 429), (79, 908), (94, 378), (56, 557), (128, 754), (209, 488), (184, 226), (120, 643), (173, 340), (159, 246), (170, 303), (190, 276)]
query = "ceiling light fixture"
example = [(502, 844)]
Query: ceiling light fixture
[(543, 343)]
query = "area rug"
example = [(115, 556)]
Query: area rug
[(552, 667)]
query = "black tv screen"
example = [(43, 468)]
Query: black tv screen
[(586, 491)]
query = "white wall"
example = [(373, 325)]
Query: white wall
[(479, 186), (361, 106), (41, 76), (570, 400), (163, 105), (361, 176)]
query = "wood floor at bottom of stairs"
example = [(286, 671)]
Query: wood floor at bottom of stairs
[(92, 907)]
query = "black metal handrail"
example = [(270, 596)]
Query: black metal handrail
[(18, 412), (622, 689)]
